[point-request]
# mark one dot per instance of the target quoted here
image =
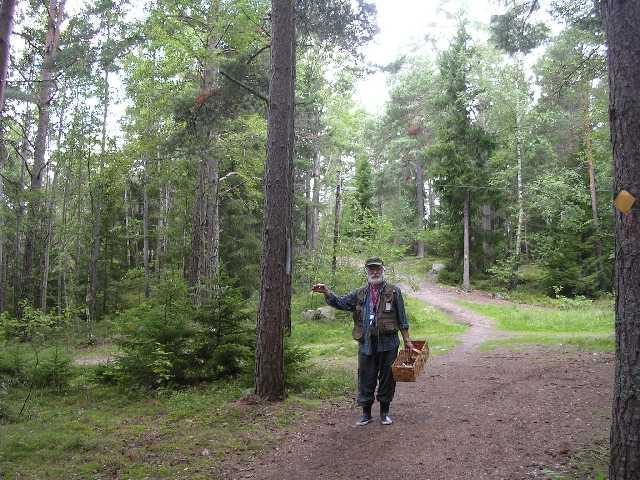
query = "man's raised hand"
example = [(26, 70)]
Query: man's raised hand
[(321, 288)]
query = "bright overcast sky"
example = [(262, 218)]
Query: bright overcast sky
[(406, 25)]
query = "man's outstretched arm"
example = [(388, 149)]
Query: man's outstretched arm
[(347, 302)]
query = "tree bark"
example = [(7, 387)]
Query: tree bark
[(336, 224), (621, 20), (432, 204), (48, 237), (276, 266), (307, 211), (588, 146), (55, 17), (466, 284), (518, 246), (18, 278), (204, 259), (127, 221), (6, 27), (420, 207), (487, 248), (161, 234), (315, 202), (145, 227), (96, 198)]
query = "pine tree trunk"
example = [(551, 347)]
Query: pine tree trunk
[(18, 278), (307, 211), (276, 265), (6, 27), (62, 265), (96, 198), (336, 224), (161, 240), (46, 256), (487, 248), (55, 17), (204, 258), (592, 190), (3, 275), (420, 207), (466, 284), (621, 20), (315, 202)]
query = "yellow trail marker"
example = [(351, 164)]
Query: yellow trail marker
[(624, 201)]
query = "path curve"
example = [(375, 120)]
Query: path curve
[(471, 415)]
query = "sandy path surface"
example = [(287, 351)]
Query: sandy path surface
[(471, 415)]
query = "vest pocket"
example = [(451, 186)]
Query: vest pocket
[(388, 323)]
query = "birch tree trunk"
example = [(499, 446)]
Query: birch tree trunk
[(276, 264), (127, 221), (145, 227), (518, 246), (432, 204), (7, 11), (420, 207), (621, 20)]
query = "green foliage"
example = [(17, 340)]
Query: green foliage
[(364, 184), (503, 271), (166, 341), (513, 32), (21, 365), (32, 325), (53, 371)]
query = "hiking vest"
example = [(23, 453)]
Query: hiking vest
[(387, 316)]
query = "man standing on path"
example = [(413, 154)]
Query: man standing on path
[(378, 314)]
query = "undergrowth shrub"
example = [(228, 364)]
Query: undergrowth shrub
[(167, 341)]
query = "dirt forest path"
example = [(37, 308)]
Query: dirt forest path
[(471, 415)]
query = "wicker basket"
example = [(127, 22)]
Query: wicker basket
[(408, 365)]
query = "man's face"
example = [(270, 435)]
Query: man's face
[(375, 274)]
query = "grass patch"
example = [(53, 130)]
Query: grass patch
[(513, 318), (428, 322), (587, 328), (104, 432), (584, 343), (591, 463)]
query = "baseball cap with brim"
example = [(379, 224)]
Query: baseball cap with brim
[(374, 262)]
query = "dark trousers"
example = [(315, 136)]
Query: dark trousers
[(376, 369)]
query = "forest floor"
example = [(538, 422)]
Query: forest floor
[(504, 414)]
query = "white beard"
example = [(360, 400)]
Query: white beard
[(375, 281)]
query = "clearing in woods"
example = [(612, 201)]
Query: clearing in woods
[(472, 414)]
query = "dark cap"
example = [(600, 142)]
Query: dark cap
[(374, 262)]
